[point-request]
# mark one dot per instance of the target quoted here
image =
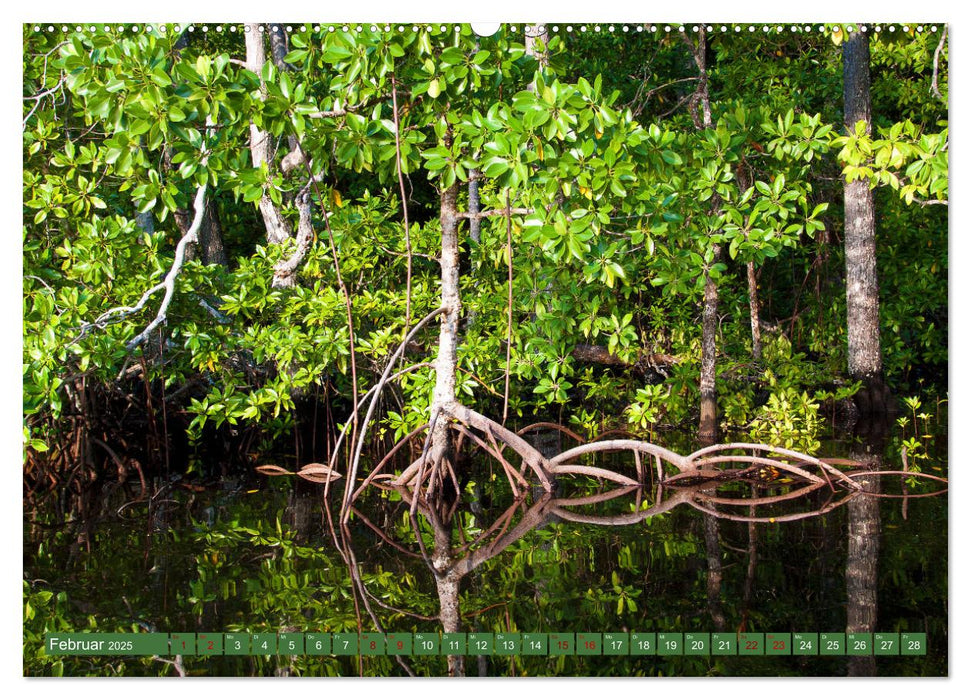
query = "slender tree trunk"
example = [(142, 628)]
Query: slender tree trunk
[(713, 555), (753, 308), (279, 48), (261, 143), (742, 176), (447, 360), (146, 222), (533, 33), (447, 581), (475, 206), (862, 291), (863, 548), (708, 420)]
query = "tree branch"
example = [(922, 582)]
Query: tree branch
[(191, 236), (937, 56), (494, 212)]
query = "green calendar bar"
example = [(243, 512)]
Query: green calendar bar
[(236, 644), (455, 643), (616, 644), (317, 643), (480, 643), (562, 644), (426, 643), (751, 644), (535, 644), (109, 644), (344, 644), (589, 644), (886, 644), (400, 643), (832, 643), (643, 643), (778, 644), (209, 644), (859, 644), (372, 644), (263, 643), (697, 644), (507, 643), (489, 643), (290, 643), (913, 643), (670, 644), (724, 644), (805, 643), (183, 643)]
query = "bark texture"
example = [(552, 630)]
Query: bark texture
[(261, 151), (208, 246), (285, 271), (753, 307), (862, 291), (700, 108), (863, 548), (447, 359), (708, 422)]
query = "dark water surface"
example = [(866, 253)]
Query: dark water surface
[(258, 556)]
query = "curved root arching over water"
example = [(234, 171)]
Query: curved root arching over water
[(701, 472)]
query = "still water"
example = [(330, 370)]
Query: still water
[(259, 555)]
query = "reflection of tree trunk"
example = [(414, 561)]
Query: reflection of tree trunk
[(753, 558), (447, 580), (450, 616), (862, 291), (300, 510), (863, 548), (713, 554)]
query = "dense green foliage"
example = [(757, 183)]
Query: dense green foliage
[(618, 205)]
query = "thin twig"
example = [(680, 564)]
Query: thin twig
[(505, 397), (404, 201)]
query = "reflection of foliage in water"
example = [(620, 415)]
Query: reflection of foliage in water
[(240, 565)]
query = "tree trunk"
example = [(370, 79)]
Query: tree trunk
[(279, 48), (753, 308), (447, 360), (261, 143), (447, 581), (862, 292), (209, 247), (285, 271), (531, 34), (708, 422), (475, 206), (713, 555), (863, 548)]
